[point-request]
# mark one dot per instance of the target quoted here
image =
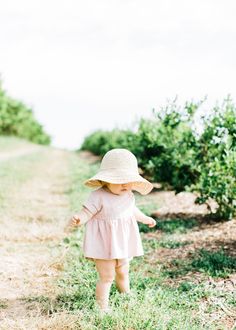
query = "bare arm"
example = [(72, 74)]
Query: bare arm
[(141, 217)]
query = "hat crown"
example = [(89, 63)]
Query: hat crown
[(120, 166), (119, 159)]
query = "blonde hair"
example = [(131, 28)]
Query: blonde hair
[(103, 183)]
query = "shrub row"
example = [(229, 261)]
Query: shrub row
[(170, 150), (17, 119)]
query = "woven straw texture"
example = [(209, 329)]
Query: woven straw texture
[(120, 166)]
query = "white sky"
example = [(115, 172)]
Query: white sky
[(84, 65)]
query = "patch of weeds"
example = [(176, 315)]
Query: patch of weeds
[(143, 282), (40, 299), (186, 286), (72, 242), (177, 267), (171, 244), (3, 304), (150, 244), (232, 301), (165, 243), (212, 263), (78, 284), (195, 292), (66, 240), (45, 303), (145, 229), (216, 264), (171, 226), (77, 300)]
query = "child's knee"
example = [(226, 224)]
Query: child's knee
[(123, 271), (107, 278)]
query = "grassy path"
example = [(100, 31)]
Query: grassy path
[(11, 147), (45, 283), (34, 208)]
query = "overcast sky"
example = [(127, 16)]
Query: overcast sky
[(84, 65)]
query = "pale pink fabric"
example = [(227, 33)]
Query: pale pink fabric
[(112, 231)]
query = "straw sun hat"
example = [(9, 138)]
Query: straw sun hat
[(120, 166)]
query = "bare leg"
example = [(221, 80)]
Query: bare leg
[(106, 271), (122, 278)]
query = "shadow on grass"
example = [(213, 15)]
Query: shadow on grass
[(170, 226), (77, 300), (154, 244), (211, 263)]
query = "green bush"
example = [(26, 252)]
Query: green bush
[(18, 120), (171, 152), (100, 141), (167, 146), (216, 160)]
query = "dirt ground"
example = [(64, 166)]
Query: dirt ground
[(208, 234)]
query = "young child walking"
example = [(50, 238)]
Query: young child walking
[(112, 236)]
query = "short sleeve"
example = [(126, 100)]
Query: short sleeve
[(93, 203), (84, 216)]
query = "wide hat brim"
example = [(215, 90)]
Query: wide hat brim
[(140, 184)]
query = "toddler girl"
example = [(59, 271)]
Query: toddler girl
[(112, 236)]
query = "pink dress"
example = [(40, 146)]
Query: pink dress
[(112, 231)]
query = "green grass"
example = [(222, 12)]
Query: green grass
[(145, 229), (171, 226), (164, 294), (215, 264), (165, 243), (176, 268), (152, 304), (44, 302)]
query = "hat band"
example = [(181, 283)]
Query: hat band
[(116, 172)]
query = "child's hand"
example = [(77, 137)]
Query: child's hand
[(151, 222), (74, 222)]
